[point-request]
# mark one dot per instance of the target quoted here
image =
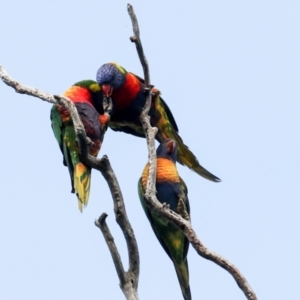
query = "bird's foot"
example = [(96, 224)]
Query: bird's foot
[(107, 105), (165, 205), (148, 89), (181, 210), (89, 141)]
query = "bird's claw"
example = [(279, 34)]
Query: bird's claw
[(107, 104), (165, 205), (89, 141), (181, 210), (149, 88)]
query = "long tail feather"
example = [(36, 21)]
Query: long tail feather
[(167, 128), (182, 272), (82, 183), (187, 158)]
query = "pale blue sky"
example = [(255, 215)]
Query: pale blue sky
[(230, 72)]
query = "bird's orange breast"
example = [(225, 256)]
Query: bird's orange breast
[(165, 171)]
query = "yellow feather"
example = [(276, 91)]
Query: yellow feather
[(121, 69), (95, 87), (82, 183)]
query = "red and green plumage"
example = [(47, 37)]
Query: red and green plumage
[(170, 188), (127, 91), (83, 94)]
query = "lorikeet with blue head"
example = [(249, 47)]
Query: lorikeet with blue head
[(127, 91), (83, 94), (171, 190)]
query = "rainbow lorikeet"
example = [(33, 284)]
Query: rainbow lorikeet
[(128, 95), (83, 94), (171, 190)]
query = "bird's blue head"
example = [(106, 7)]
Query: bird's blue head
[(110, 77), (167, 149)]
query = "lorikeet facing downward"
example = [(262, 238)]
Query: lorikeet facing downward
[(83, 94), (171, 190), (128, 95)]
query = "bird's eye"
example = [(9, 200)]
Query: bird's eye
[(171, 146)]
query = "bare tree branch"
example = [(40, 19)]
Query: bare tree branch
[(23, 89), (136, 39), (150, 131), (150, 195), (128, 280), (101, 223), (121, 217)]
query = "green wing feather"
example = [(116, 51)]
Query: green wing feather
[(64, 134), (185, 191), (129, 129), (57, 127), (188, 210), (168, 113)]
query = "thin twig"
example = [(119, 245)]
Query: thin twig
[(101, 223), (136, 39), (150, 195), (128, 280)]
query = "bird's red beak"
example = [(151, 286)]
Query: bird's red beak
[(107, 90), (171, 146)]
